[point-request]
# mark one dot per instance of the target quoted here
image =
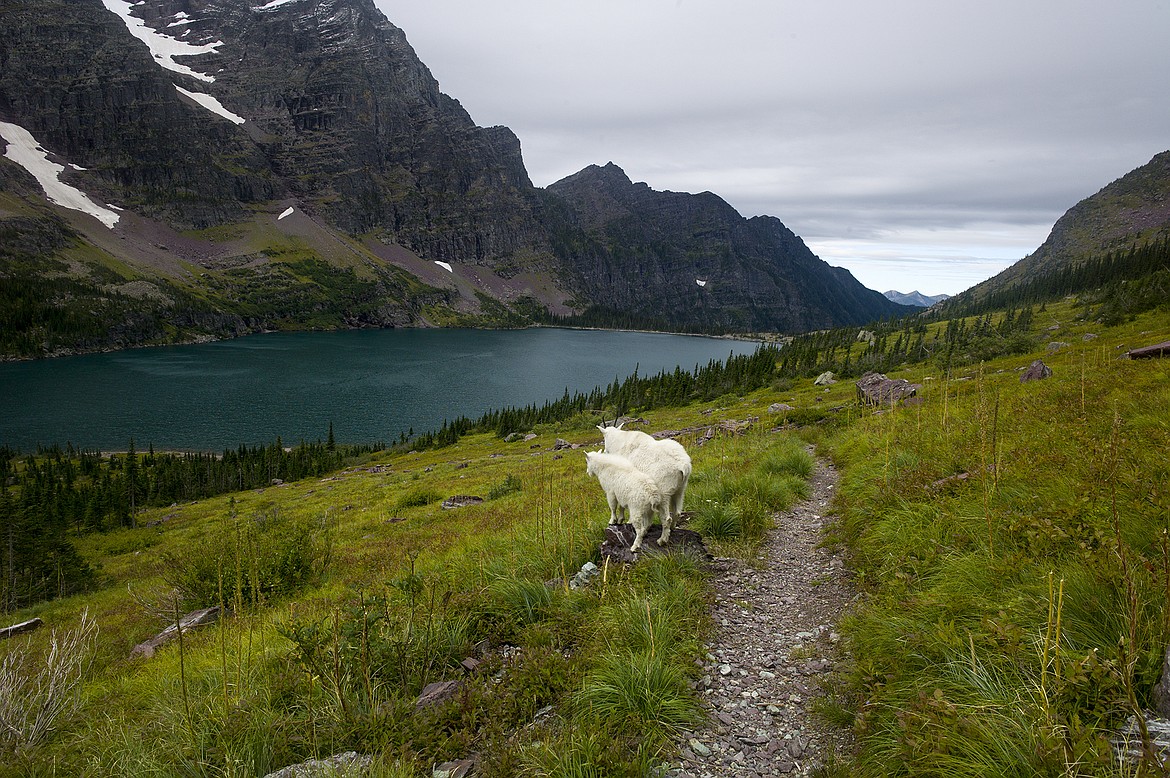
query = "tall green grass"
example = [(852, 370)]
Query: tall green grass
[(345, 596), (738, 501), (1011, 539)]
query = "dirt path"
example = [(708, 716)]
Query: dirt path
[(773, 642)]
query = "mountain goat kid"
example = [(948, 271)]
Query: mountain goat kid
[(627, 489), (665, 461)]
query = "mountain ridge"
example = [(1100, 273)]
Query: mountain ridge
[(323, 106), (915, 298), (1130, 211)]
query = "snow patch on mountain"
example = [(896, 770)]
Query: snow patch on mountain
[(24, 150), (213, 105), (274, 4), (163, 47)]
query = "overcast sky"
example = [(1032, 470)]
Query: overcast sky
[(921, 144)]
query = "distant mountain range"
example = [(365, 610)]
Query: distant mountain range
[(252, 165), (915, 298)]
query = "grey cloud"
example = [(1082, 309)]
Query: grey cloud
[(849, 120)]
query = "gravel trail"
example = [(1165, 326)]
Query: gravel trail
[(773, 643)]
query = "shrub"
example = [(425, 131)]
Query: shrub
[(718, 520), (791, 459), (35, 694), (639, 690), (417, 498), (520, 602), (509, 485), (268, 555)]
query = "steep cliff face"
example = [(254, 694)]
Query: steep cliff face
[(330, 105), (198, 126), (353, 121), (71, 74), (694, 259)]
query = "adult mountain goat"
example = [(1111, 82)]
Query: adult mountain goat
[(627, 489), (665, 461)]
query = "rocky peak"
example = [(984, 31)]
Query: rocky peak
[(192, 114), (694, 258)]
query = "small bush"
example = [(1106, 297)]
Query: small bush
[(787, 460), (519, 602), (509, 485), (249, 560), (718, 520), (417, 498)]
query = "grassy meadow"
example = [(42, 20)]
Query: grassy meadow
[(1009, 543), (348, 594)]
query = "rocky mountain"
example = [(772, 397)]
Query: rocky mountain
[(692, 255), (260, 164), (915, 298), (1131, 211)]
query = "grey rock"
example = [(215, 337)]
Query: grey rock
[(461, 501), (1037, 371), (875, 389), (1162, 690), (460, 768), (619, 538), (346, 765), (437, 693), (1128, 746)]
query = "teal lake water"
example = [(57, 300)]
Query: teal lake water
[(371, 384)]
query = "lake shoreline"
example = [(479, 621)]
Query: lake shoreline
[(749, 337), (373, 384)]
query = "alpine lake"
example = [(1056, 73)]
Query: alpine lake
[(371, 385)]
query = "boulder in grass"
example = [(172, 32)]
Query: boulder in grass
[(347, 765), (461, 501), (619, 538), (875, 389), (1128, 745), (460, 768), (1037, 371), (437, 693)]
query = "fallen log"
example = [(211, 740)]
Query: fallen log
[(1156, 351), (22, 627)]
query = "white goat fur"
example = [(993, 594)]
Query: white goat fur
[(665, 461), (627, 489)]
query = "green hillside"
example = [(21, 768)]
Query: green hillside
[(1009, 540)]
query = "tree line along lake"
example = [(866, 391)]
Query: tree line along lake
[(371, 385)]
